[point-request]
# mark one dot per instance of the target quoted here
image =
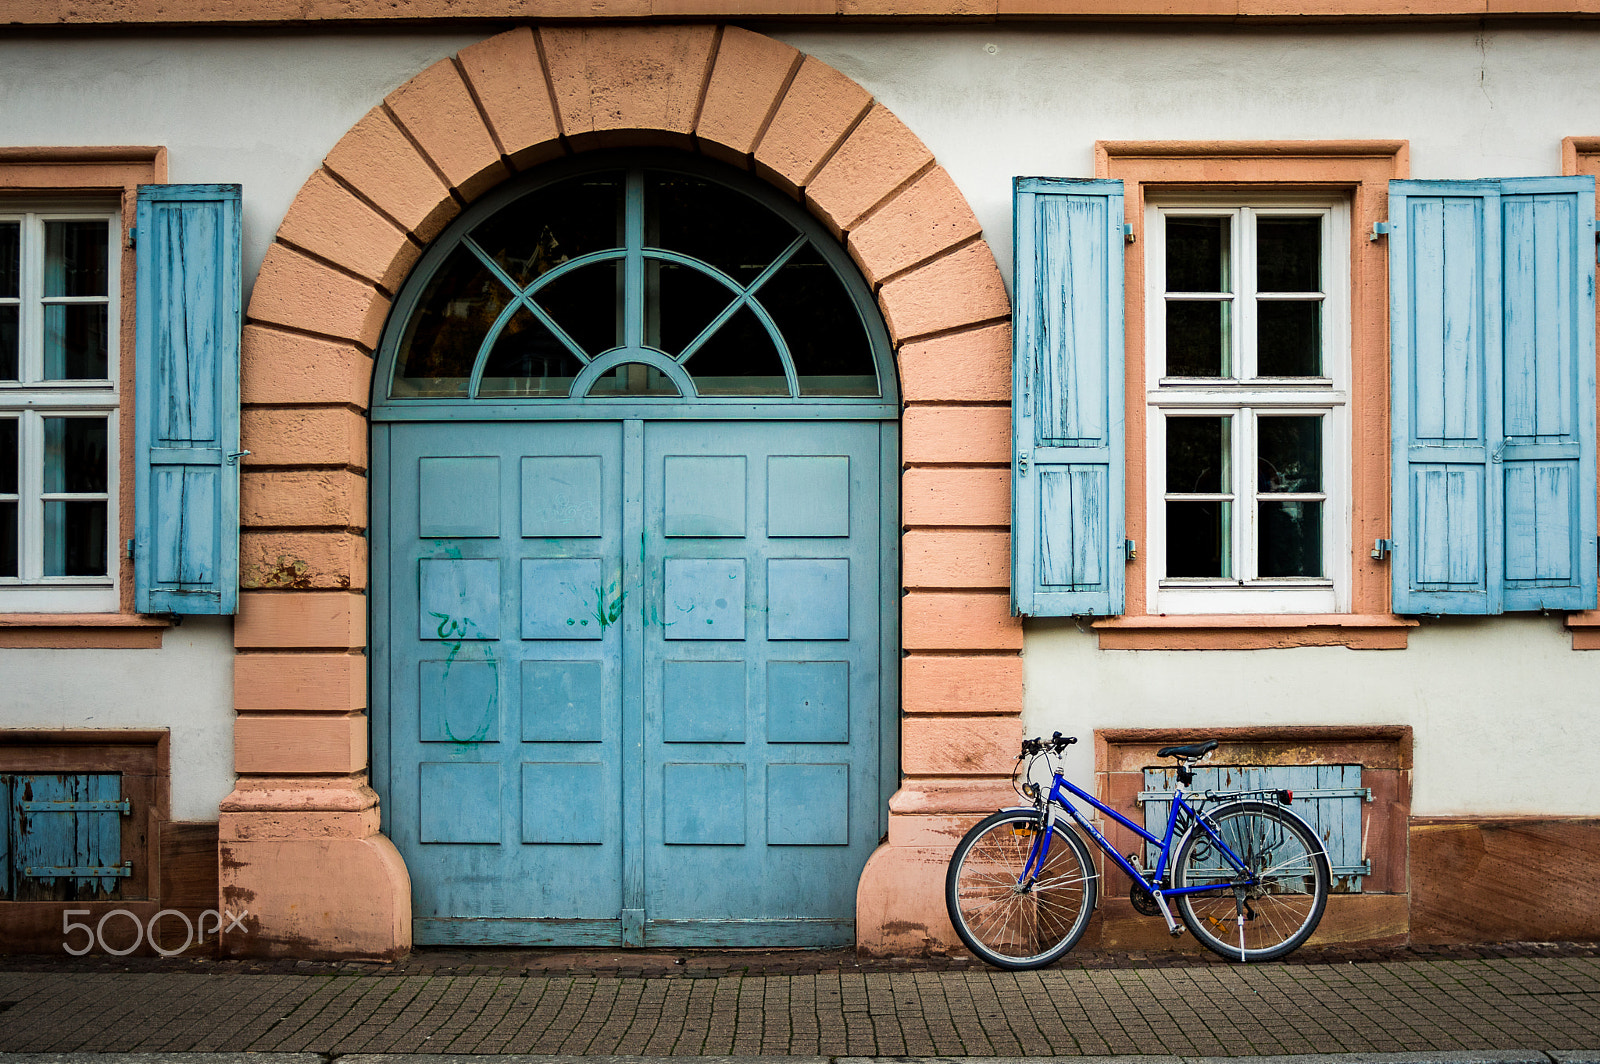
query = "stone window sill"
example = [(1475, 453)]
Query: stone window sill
[(106, 631), (1254, 632)]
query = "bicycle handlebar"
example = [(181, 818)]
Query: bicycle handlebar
[(1055, 744)]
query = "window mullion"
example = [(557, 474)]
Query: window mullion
[(30, 361), (1244, 284), (1244, 477)]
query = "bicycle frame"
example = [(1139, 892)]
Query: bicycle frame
[(1040, 850)]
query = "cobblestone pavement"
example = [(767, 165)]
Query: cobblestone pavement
[(825, 1003)]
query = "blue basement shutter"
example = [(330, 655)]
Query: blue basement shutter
[(1492, 363), (186, 490), (1067, 417)]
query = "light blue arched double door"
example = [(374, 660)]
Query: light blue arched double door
[(634, 590)]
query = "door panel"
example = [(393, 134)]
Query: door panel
[(633, 690), (504, 694), (761, 682)]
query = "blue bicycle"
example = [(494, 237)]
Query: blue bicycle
[(1248, 876)]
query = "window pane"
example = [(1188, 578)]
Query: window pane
[(586, 303), (826, 338), (456, 312), (680, 301), (1198, 455), (1198, 534), (713, 223), (539, 231), (633, 380), (10, 259), (1197, 254), (75, 342), (528, 360), (8, 539), (8, 456), (8, 343), (739, 359), (1289, 338), (74, 454), (1198, 341), (74, 539), (1290, 454), (74, 259), (1289, 254), (1291, 539)]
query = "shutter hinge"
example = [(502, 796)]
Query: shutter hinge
[(130, 548), (105, 805), (1130, 550), (1380, 229), (1382, 548), (1022, 463), (1127, 232), (121, 871)]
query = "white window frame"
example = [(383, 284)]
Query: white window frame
[(1247, 399), (30, 399)]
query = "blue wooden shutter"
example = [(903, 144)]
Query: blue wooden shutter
[(1067, 415), (186, 491), (1492, 363)]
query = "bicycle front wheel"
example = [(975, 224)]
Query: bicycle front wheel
[(1280, 892), (1011, 920)]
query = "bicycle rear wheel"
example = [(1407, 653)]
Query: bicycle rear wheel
[(1010, 922), (1282, 892)]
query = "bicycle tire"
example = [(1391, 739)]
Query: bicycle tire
[(1285, 905), (1019, 928)]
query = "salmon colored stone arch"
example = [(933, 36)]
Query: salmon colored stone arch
[(301, 845)]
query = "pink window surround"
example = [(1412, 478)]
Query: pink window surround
[(114, 172), (1581, 155), (300, 845), (1362, 170)]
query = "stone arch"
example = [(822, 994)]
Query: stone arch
[(300, 840)]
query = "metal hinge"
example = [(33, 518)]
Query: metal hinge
[(133, 237), (1380, 229), (1127, 232), (105, 805), (1022, 463), (1130, 550), (121, 871), (1382, 548)]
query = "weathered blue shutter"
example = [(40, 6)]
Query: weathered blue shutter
[(65, 834), (1067, 416), (1328, 797), (1492, 363), (186, 492)]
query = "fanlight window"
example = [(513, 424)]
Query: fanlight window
[(634, 283)]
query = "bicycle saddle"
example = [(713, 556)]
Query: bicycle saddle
[(1192, 750)]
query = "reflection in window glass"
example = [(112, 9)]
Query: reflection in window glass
[(826, 336), (76, 347), (1199, 455), (729, 239), (632, 381), (713, 223), (1291, 538), (535, 233), (455, 313), (528, 360), (1289, 455), (74, 464), (75, 258), (1288, 338), (1199, 343), (1197, 254)]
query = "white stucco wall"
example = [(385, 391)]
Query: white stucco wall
[(1493, 702), (185, 686)]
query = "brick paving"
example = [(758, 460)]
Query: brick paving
[(816, 1003)]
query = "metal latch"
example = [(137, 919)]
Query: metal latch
[(1022, 463), (233, 459), (1382, 548), (1130, 550), (121, 871), (1127, 232), (1380, 229), (105, 805)]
